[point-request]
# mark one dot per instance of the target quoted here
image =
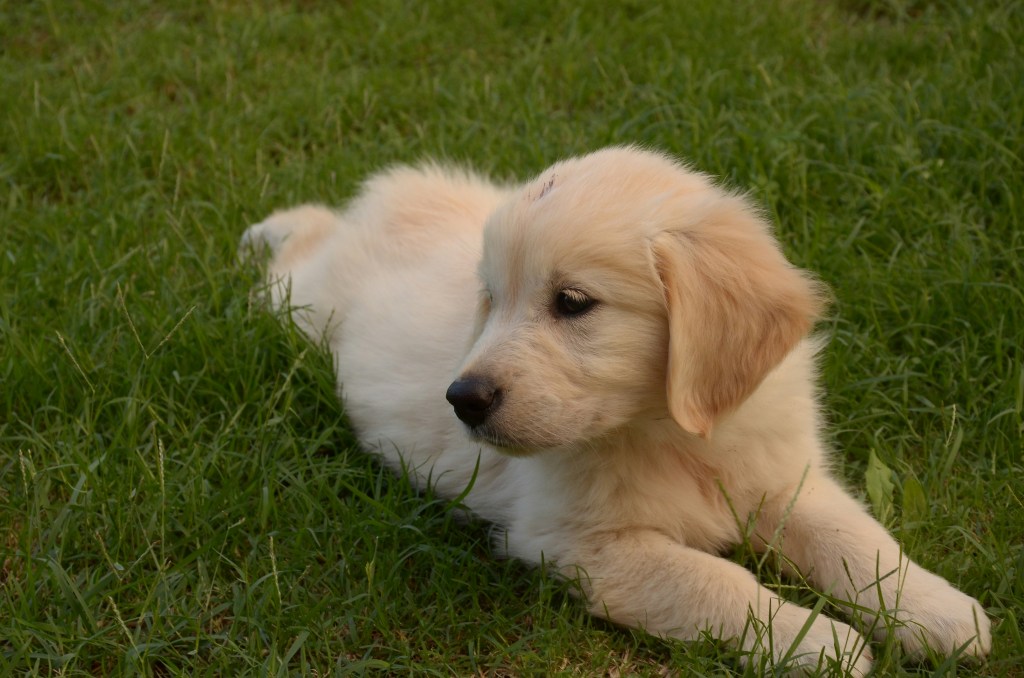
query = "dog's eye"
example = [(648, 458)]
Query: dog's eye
[(570, 302)]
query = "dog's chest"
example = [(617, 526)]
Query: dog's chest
[(679, 497)]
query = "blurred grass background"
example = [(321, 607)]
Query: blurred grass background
[(179, 493)]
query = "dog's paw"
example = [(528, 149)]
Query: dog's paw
[(266, 237), (254, 242), (801, 642), (829, 647), (940, 618), (269, 235)]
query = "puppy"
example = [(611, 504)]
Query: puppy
[(630, 392)]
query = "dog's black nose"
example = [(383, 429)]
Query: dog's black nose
[(473, 399)]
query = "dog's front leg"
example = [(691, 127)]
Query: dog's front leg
[(645, 579), (831, 538)]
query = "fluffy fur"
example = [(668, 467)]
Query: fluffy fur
[(628, 347)]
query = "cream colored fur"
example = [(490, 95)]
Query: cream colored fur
[(633, 442)]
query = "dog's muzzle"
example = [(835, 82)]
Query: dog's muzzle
[(474, 398)]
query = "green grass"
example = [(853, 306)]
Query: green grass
[(179, 493)]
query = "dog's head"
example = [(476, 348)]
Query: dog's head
[(619, 288)]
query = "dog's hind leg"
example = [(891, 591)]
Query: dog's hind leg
[(289, 236), (314, 264)]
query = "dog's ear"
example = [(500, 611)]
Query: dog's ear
[(736, 307)]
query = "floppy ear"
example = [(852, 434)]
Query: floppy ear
[(736, 307)]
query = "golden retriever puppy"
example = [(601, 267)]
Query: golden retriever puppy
[(614, 355)]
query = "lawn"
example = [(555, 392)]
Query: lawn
[(179, 492)]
